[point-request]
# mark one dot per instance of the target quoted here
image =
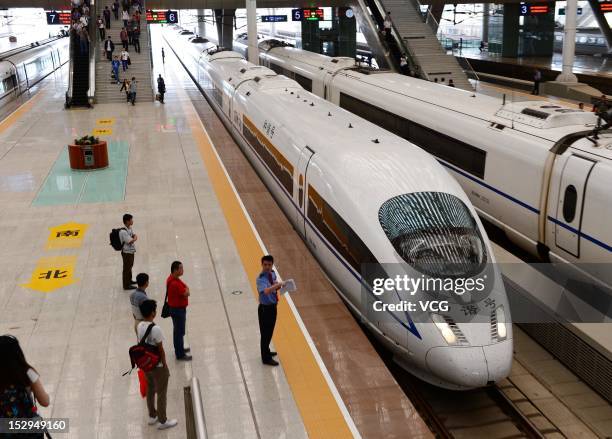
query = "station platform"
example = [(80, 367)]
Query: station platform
[(594, 71), (61, 293)]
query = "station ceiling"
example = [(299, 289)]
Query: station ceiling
[(211, 4)]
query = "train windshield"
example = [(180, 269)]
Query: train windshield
[(435, 233)]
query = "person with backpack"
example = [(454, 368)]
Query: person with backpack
[(20, 384), (128, 250), (157, 378), (137, 297), (161, 88)]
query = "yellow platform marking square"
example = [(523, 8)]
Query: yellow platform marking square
[(52, 273), (68, 235), (105, 122), (102, 132)]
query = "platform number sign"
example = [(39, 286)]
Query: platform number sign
[(172, 17), (533, 9), (58, 17), (296, 15), (307, 14)]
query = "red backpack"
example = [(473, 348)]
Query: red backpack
[(143, 355)]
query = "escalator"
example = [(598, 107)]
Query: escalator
[(79, 77)]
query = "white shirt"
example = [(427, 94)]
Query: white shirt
[(155, 337), (387, 23), (126, 235), (125, 15), (124, 55), (101, 23)]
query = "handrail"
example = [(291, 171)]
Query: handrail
[(71, 51), (198, 409), (435, 27), (93, 46), (399, 41)]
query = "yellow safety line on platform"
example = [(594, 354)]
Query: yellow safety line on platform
[(8, 121), (321, 413)]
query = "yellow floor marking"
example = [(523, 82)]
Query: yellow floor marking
[(52, 273), (102, 132), (8, 121), (68, 235), (105, 121), (320, 412)]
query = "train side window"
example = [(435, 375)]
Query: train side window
[(465, 156), (340, 235), (569, 203), (304, 82), (278, 69)]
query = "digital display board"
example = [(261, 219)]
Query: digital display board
[(273, 18), (605, 6), (534, 9), (160, 16), (309, 14), (58, 17)]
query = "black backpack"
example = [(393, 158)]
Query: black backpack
[(115, 240)]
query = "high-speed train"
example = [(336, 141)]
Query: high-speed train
[(22, 68), (371, 207), (532, 168)]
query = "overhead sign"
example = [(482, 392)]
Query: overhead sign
[(605, 6), (273, 18), (58, 17), (308, 14), (534, 9), (52, 273), (161, 16)]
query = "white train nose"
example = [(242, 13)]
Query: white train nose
[(470, 367)]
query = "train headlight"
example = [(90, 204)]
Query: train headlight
[(444, 328), (500, 316)]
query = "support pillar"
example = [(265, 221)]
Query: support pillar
[(251, 11), (569, 42), (225, 27), (486, 8), (201, 23), (510, 38), (603, 23)]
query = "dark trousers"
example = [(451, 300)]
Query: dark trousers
[(136, 43), (124, 64), (179, 319), (132, 98), (125, 23), (128, 263), (125, 44), (161, 96), (102, 33), (107, 22), (536, 88), (157, 383), (116, 14), (267, 321), (109, 55)]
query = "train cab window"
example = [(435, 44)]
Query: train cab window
[(569, 203), (435, 233), (304, 82)]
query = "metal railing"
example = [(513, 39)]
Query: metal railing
[(195, 408), (401, 44), (71, 51), (93, 51), (463, 61)]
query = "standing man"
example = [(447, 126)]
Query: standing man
[(163, 56), (106, 14), (136, 38), (537, 78), (267, 287), (115, 65), (125, 16), (128, 238), (101, 29), (133, 89), (124, 38), (125, 56), (157, 378), (387, 24), (161, 88), (178, 300), (137, 297), (116, 9), (109, 47)]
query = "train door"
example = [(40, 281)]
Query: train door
[(572, 190), (305, 157), (327, 87)]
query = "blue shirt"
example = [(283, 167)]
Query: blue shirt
[(263, 282)]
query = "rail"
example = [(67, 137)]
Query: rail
[(194, 408), (463, 61), (378, 12)]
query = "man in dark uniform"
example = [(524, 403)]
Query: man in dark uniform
[(268, 287)]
